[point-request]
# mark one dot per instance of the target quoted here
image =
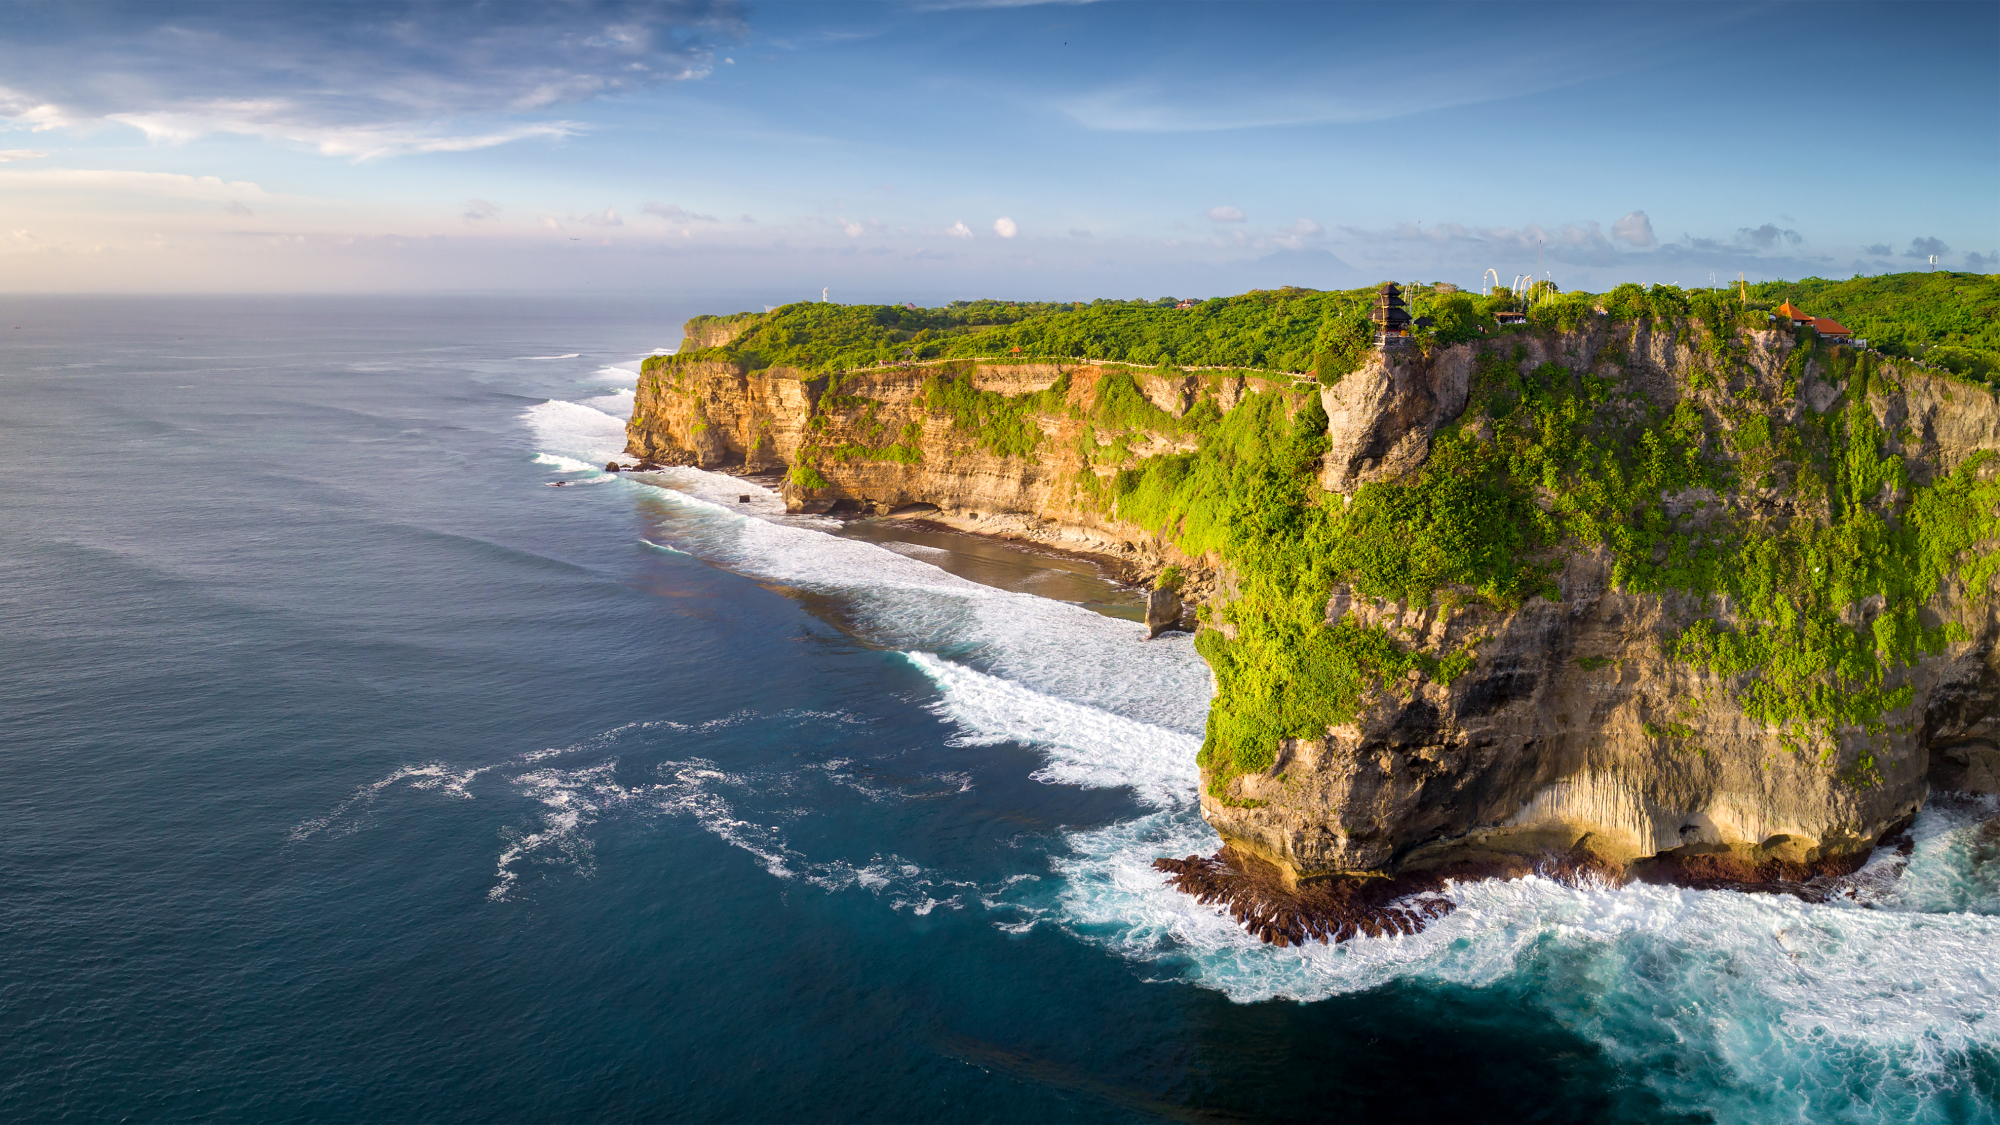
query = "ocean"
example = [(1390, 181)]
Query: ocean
[(352, 772)]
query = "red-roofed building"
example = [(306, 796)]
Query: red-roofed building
[(1823, 325)]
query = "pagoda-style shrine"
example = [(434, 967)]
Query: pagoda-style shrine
[(1391, 316)]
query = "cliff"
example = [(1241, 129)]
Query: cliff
[(1690, 596), (1012, 447)]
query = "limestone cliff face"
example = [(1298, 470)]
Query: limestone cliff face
[(875, 442), (1575, 725)]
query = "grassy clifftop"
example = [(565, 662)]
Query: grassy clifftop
[(1948, 319)]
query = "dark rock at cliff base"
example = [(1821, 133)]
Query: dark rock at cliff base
[(1163, 612), (1331, 909), (742, 499), (612, 466)]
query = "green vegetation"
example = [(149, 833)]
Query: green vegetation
[(1824, 607), (1543, 462), (1003, 425), (1249, 495), (1290, 330), (1948, 319), (806, 477)]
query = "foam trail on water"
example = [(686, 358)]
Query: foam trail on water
[(1085, 746), (1057, 649)]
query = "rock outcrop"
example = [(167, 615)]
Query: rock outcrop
[(1163, 611)]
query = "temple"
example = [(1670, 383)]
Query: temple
[(1391, 317)]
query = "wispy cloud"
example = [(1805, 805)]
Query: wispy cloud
[(1225, 214), (8, 155), (675, 213), (168, 184), (1474, 58), (1767, 236), (275, 120), (1585, 244), (356, 80)]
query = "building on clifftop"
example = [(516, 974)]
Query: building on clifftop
[(1391, 316), (1832, 329)]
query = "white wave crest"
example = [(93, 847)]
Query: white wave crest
[(1057, 649), (1783, 994), (576, 431), (1084, 746)]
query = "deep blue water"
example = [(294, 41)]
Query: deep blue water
[(352, 772)]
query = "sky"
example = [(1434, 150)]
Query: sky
[(937, 150)]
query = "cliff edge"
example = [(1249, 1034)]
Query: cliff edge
[(1676, 594)]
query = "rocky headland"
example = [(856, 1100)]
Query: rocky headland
[(1701, 599)]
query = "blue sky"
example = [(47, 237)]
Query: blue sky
[(937, 150)]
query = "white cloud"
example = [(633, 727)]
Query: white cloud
[(477, 209), (1225, 214), (959, 230), (1005, 228), (366, 81), (608, 219), (1634, 229), (11, 154), (36, 115), (278, 120), (853, 230), (235, 207), (675, 213), (1294, 237), (1767, 236), (169, 184)]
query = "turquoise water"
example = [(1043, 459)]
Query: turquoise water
[(354, 772)]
